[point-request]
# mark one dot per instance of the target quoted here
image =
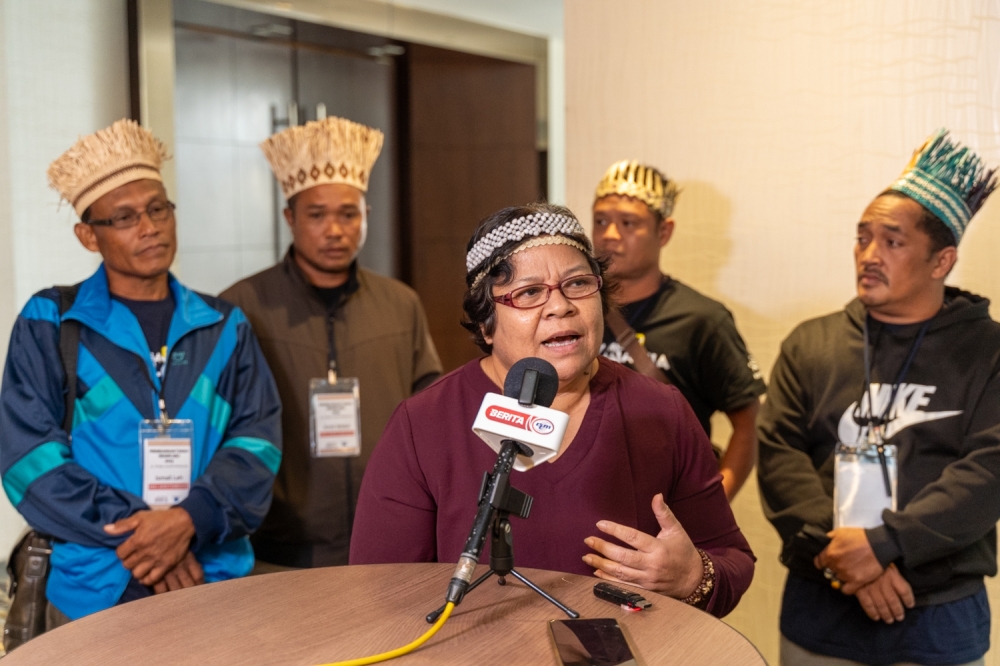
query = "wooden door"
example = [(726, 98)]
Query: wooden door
[(467, 141)]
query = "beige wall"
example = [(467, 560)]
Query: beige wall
[(780, 120), (63, 73)]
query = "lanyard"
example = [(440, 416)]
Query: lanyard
[(331, 378), (876, 424), (161, 403), (331, 351), (331, 337)]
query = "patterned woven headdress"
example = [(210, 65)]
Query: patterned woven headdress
[(949, 180), (106, 160), (648, 185), (332, 150)]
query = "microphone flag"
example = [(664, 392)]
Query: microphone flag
[(522, 413), (539, 428)]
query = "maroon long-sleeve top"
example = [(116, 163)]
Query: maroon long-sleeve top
[(638, 438)]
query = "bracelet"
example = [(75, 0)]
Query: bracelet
[(704, 589)]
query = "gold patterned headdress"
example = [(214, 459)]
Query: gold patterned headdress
[(645, 183), (106, 160), (332, 150)]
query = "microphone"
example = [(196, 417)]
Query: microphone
[(523, 431), (532, 381), (522, 414)]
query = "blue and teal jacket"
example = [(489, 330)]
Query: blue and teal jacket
[(70, 485)]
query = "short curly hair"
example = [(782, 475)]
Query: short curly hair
[(480, 309)]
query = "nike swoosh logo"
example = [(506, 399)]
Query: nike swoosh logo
[(850, 432)]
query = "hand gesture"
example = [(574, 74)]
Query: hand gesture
[(668, 563), (159, 541)]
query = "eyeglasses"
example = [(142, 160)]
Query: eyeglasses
[(157, 211), (534, 295)]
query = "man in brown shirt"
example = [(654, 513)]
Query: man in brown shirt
[(319, 316)]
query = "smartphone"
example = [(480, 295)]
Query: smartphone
[(591, 642)]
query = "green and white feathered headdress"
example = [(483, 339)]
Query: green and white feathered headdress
[(947, 179)]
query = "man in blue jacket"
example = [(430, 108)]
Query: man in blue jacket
[(175, 436)]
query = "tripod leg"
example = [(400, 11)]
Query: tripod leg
[(433, 616), (548, 597)]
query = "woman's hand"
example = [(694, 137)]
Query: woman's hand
[(667, 563)]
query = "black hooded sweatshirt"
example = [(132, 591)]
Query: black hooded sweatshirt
[(945, 423)]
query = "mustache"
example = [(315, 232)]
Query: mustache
[(874, 273)]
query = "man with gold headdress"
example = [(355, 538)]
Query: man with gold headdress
[(346, 345), (130, 392), (666, 329), (880, 440)]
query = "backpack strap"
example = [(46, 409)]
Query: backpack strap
[(69, 347)]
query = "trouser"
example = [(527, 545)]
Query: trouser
[(793, 655)]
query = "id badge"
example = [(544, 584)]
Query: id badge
[(166, 461), (334, 417), (859, 491)]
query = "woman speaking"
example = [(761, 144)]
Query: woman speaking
[(634, 494)]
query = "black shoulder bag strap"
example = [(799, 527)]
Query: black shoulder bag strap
[(625, 335), (69, 346)]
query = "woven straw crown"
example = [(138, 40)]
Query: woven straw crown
[(631, 179), (949, 180), (332, 150), (105, 160)]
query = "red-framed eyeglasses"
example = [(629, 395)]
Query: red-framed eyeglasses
[(535, 295)]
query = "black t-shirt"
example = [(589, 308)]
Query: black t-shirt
[(154, 318), (694, 340)]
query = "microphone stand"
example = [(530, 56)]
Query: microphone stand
[(499, 497)]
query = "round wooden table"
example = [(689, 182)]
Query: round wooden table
[(322, 615)]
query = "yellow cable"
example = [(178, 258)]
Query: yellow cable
[(399, 652)]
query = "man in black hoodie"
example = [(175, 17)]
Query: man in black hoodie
[(909, 364)]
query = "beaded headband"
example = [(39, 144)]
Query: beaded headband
[(531, 242), (537, 224)]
